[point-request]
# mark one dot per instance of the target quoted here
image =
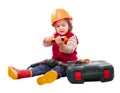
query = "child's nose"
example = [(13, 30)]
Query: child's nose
[(60, 27)]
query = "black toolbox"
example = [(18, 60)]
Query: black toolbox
[(96, 70)]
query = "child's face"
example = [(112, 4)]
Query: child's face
[(61, 27)]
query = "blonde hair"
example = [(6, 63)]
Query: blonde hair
[(68, 20)]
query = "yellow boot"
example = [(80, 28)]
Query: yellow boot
[(17, 74), (12, 73), (48, 77)]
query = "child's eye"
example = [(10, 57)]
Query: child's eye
[(57, 26), (63, 25)]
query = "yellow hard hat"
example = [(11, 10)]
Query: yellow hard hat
[(59, 14)]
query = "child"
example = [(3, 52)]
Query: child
[(63, 51)]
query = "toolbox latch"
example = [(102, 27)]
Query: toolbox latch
[(106, 74), (78, 75)]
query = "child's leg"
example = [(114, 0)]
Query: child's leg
[(17, 74), (61, 70), (50, 76), (40, 69)]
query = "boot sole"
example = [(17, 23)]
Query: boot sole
[(12, 73), (48, 77)]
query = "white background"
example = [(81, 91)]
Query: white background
[(24, 24)]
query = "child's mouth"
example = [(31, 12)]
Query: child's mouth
[(61, 31)]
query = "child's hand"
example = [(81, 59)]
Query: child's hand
[(59, 41), (48, 39)]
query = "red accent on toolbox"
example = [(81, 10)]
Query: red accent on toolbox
[(78, 75), (106, 74)]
